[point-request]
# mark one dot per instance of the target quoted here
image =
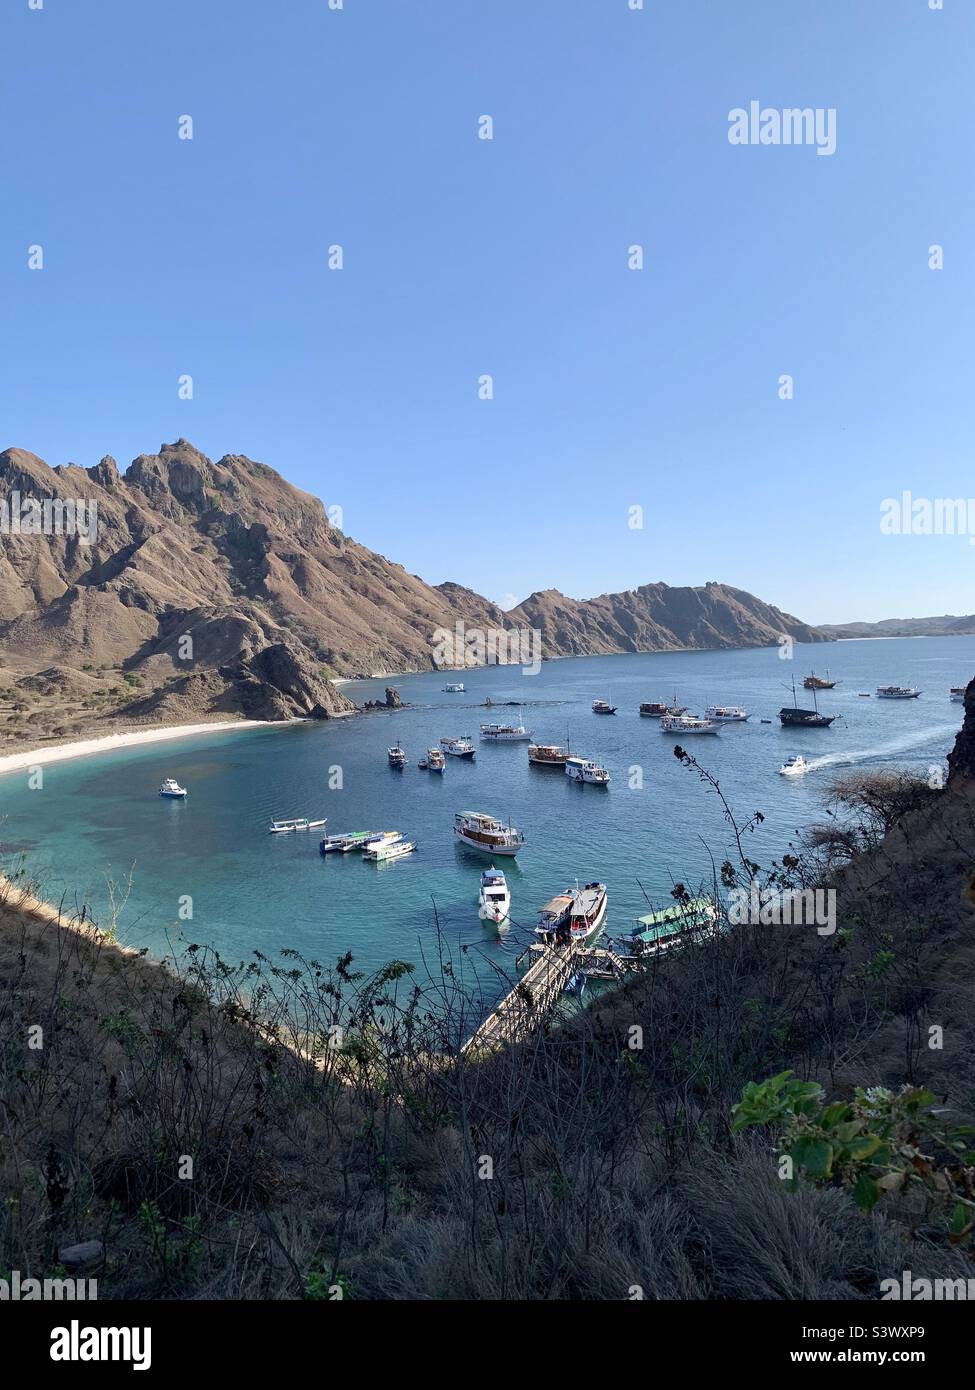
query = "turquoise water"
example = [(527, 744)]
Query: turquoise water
[(98, 820)]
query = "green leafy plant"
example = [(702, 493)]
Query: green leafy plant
[(879, 1142)]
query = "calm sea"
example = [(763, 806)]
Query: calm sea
[(98, 828)]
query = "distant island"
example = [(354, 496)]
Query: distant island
[(946, 626)]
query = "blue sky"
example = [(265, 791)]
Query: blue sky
[(613, 388)]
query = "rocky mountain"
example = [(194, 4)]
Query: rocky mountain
[(946, 626), (656, 617), (217, 588)]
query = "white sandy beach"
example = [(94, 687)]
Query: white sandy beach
[(11, 762)]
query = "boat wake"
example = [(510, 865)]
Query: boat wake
[(883, 750)]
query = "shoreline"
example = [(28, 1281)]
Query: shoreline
[(108, 743)]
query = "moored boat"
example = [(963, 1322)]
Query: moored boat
[(494, 899), (458, 747), (603, 707), (792, 717), (505, 733), (584, 770), (687, 724), (435, 760), (656, 931), (897, 692), (726, 714), (957, 694), (588, 913), (654, 709), (482, 832), (396, 756), (172, 789), (283, 827), (381, 851), (576, 915), (454, 688), (547, 754), (814, 682)]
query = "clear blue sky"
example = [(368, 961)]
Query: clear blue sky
[(612, 388)]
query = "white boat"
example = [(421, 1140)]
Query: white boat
[(726, 714), (505, 733), (396, 756), (794, 766), (583, 770), (603, 707), (458, 747), (381, 851), (548, 754), (172, 788), (687, 724), (483, 832), (283, 827), (456, 688), (435, 760), (897, 692), (381, 837), (957, 694), (588, 912), (494, 899)]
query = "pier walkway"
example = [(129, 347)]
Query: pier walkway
[(533, 997)]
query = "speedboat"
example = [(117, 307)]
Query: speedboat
[(396, 756), (494, 900), (602, 707), (897, 692), (282, 827), (382, 851), (458, 747), (583, 770), (505, 733), (435, 760), (686, 724), (547, 755), (172, 788), (726, 714), (794, 766), (483, 832)]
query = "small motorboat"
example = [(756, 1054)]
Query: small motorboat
[(172, 788), (794, 766), (494, 900)]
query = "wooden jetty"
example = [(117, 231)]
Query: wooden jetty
[(542, 984)]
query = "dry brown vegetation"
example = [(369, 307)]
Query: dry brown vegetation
[(375, 1162)]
